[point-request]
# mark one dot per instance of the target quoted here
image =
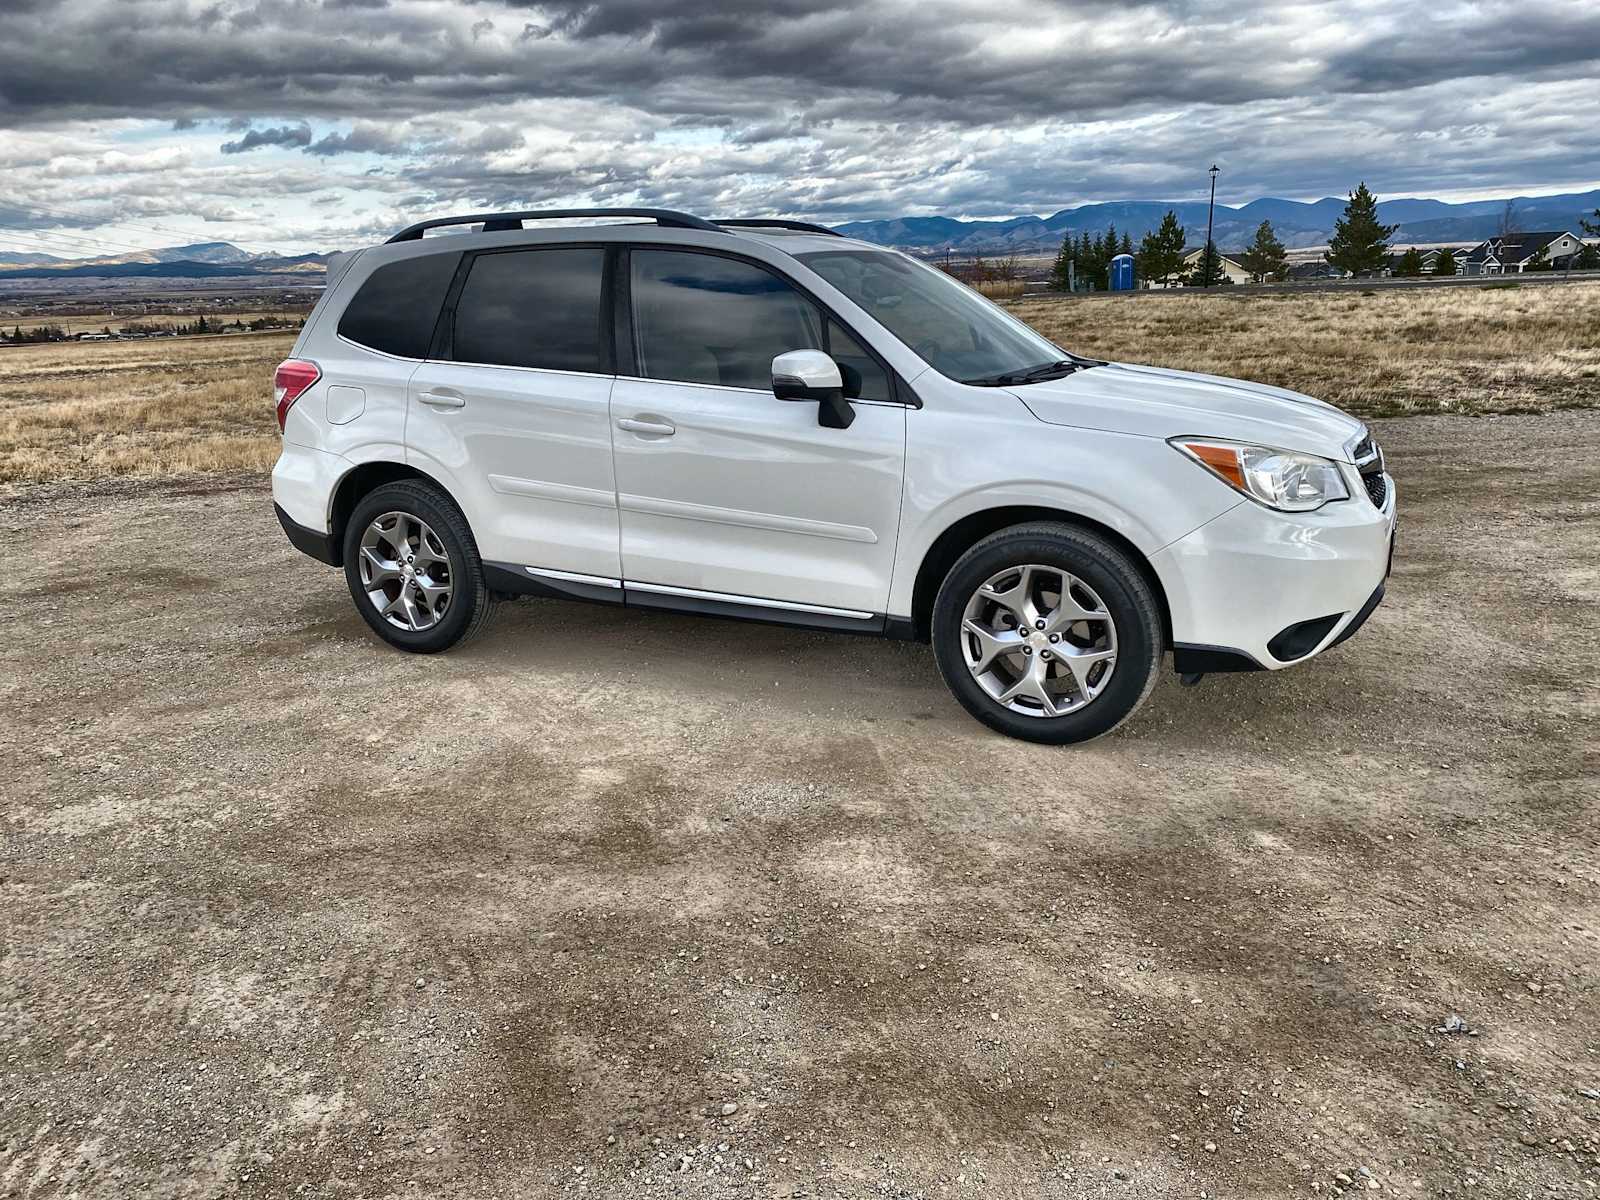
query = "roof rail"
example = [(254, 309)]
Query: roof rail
[(499, 222), (776, 223)]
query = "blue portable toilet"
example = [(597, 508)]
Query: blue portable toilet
[(1122, 273)]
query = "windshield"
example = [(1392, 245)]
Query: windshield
[(948, 325)]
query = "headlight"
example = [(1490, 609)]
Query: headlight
[(1279, 479)]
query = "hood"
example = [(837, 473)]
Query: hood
[(1155, 402)]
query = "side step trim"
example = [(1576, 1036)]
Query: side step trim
[(518, 580), (574, 577), (662, 589)]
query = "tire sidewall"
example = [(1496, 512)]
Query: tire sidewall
[(1120, 586), (466, 580)]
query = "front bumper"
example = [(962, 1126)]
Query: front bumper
[(1256, 588)]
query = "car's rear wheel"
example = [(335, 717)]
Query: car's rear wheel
[(413, 568), (1048, 632)]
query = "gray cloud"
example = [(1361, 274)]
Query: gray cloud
[(278, 135), (363, 139), (827, 108)]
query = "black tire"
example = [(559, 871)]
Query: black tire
[(1125, 594), (470, 602)]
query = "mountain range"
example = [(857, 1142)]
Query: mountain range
[(201, 260), (1298, 223)]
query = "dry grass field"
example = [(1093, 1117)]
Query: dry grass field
[(153, 409), (157, 408), (1394, 352)]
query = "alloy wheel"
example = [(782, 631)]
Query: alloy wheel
[(405, 571), (1039, 640)]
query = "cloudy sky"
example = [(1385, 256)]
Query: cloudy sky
[(310, 124)]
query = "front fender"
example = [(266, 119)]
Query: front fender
[(1139, 487)]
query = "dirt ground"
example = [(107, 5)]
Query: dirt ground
[(633, 905)]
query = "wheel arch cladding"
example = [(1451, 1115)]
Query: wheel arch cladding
[(358, 483), (973, 528)]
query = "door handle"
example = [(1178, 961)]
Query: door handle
[(442, 400), (647, 428)]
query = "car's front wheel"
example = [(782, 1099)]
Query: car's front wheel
[(413, 568), (1048, 632)]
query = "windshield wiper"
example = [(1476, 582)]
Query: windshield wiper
[(1038, 374)]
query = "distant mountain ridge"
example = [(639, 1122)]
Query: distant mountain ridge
[(1298, 223), (201, 260)]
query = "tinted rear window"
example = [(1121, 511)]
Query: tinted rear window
[(397, 307), (532, 308)]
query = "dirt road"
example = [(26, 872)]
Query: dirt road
[(626, 904)]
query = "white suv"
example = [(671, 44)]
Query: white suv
[(762, 419)]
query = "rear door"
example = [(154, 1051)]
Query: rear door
[(724, 488), (512, 409)]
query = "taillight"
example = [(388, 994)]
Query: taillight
[(292, 378)]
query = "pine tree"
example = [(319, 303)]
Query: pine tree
[(1208, 268), (1265, 258), (1445, 264), (1409, 265), (1061, 270), (1126, 245), (1360, 242), (1160, 254), (1588, 259)]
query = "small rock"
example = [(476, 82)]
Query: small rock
[(731, 1107), (1211, 1147), (1589, 1093), (1453, 1024), (1535, 988)]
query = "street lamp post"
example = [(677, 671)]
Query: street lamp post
[(1208, 258)]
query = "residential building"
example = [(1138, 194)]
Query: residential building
[(1232, 271), (1517, 252)]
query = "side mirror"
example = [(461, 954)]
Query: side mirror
[(812, 375)]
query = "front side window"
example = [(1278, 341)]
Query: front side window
[(945, 323), (863, 378), (532, 308), (700, 318), (396, 309)]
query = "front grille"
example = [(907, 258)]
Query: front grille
[(1377, 488), (1368, 458)]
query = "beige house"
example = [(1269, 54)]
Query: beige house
[(1231, 269)]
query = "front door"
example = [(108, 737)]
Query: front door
[(722, 487), (514, 414)]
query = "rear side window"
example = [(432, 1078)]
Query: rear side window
[(699, 318), (532, 308), (398, 306)]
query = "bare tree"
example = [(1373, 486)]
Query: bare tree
[(1509, 231)]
